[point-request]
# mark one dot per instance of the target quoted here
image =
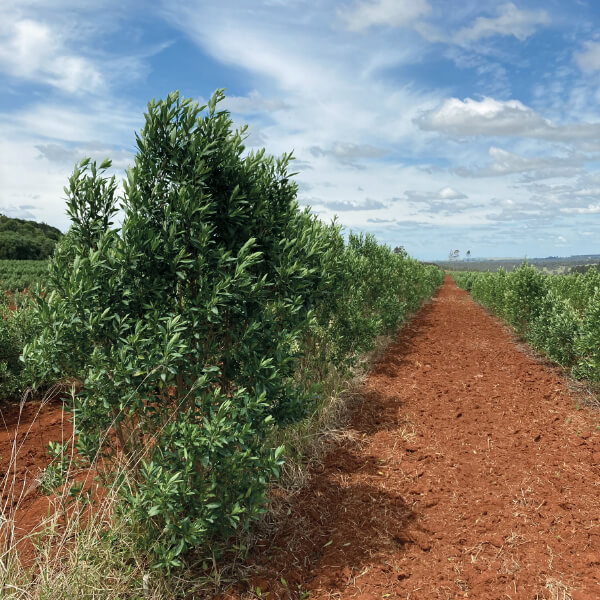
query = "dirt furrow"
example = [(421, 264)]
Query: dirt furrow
[(469, 472)]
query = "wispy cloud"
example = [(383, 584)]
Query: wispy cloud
[(33, 51), (485, 113), (445, 201), (347, 153), (509, 21), (63, 154), (254, 102), (588, 59), (343, 206), (536, 167), (391, 13)]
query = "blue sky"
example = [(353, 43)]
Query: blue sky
[(432, 124)]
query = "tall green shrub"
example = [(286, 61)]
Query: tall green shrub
[(526, 286), (555, 329), (188, 326), (184, 325), (18, 325)]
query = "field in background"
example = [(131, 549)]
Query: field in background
[(19, 275), (550, 264)]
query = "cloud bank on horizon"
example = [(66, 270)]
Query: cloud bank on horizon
[(433, 125)]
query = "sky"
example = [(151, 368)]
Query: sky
[(435, 125)]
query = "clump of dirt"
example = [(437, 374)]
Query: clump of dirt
[(471, 474)]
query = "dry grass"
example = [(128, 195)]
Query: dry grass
[(83, 548), (556, 590), (308, 441)]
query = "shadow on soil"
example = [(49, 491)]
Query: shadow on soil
[(324, 535)]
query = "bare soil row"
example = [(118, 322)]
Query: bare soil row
[(469, 472)]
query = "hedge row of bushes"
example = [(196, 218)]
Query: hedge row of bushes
[(19, 275)]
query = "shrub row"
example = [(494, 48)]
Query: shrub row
[(17, 326), (19, 275), (557, 314), (204, 321)]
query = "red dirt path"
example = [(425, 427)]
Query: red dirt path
[(471, 474)]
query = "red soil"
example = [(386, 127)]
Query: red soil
[(471, 474), (25, 431)]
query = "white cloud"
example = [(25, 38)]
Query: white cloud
[(490, 117), (510, 21), (449, 193), (445, 202), (100, 120), (392, 13), (589, 58), (330, 90), (17, 212), (551, 201), (537, 167), (590, 209), (382, 221), (60, 153), (349, 154), (33, 51), (336, 99), (343, 206), (254, 102), (40, 144)]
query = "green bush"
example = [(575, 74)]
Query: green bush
[(524, 290), (192, 328), (587, 345), (19, 275), (17, 326), (555, 329)]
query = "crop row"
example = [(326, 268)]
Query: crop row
[(558, 314), (19, 275)]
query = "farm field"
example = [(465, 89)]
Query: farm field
[(469, 470), (556, 314), (18, 275), (300, 301)]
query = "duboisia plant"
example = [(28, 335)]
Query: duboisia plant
[(189, 329)]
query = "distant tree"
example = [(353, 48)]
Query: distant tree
[(399, 250), (468, 254), (22, 240), (454, 254)]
